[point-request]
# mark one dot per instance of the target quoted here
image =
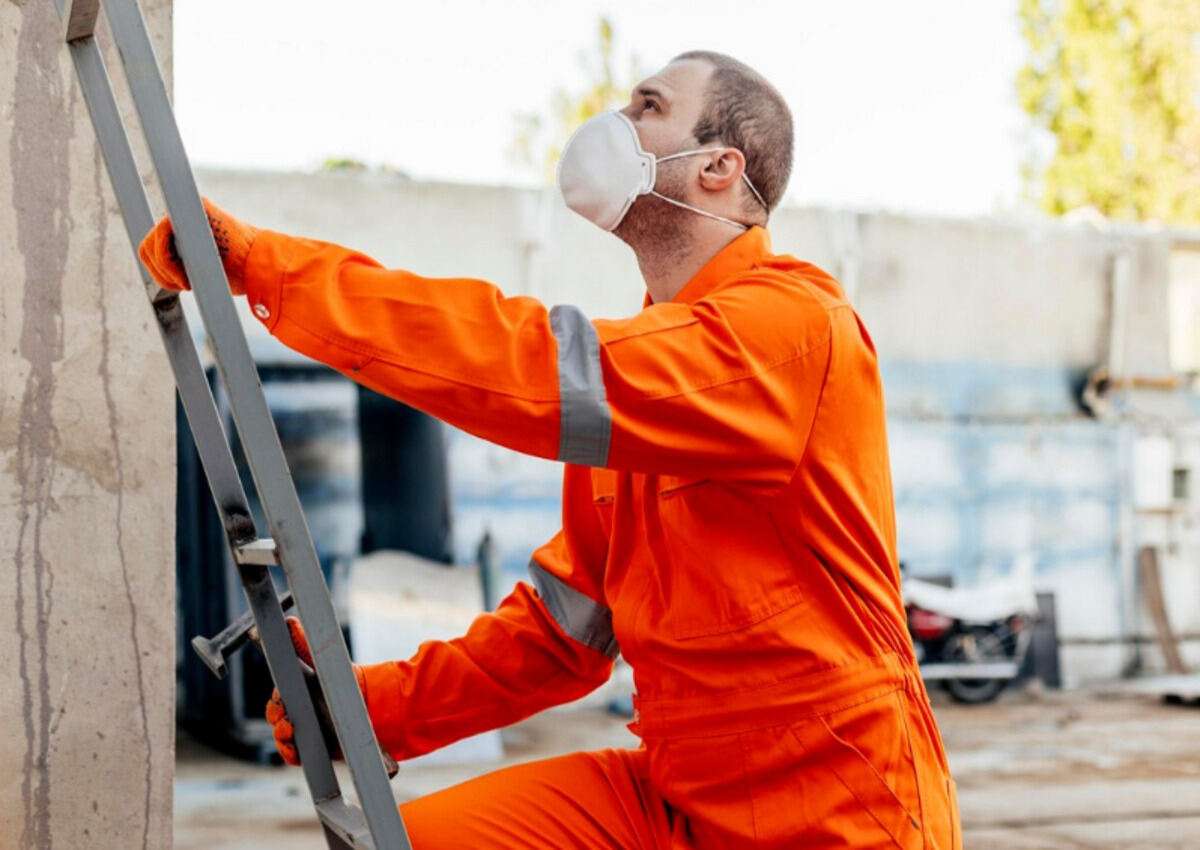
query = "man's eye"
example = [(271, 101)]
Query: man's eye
[(650, 104)]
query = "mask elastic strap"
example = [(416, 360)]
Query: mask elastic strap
[(745, 177), (699, 211), (755, 191)]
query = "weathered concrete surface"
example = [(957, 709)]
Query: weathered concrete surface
[(86, 476), (1076, 772)]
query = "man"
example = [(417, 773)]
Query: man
[(727, 505)]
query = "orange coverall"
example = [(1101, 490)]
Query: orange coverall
[(727, 523)]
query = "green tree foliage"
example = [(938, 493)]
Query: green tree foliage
[(344, 165), (1116, 83), (539, 137)]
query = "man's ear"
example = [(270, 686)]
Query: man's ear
[(722, 169)]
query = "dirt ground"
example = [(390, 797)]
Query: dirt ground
[(1036, 771)]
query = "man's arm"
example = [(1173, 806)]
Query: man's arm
[(538, 649), (725, 387), (509, 665)]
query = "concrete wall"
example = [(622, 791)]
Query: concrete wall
[(86, 482), (987, 332)]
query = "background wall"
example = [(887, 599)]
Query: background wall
[(86, 475), (987, 332)]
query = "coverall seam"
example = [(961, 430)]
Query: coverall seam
[(902, 707), (875, 770), (745, 750), (747, 374), (737, 278), (616, 340), (376, 355), (816, 406), (801, 524), (864, 804), (814, 677), (792, 598), (814, 713)]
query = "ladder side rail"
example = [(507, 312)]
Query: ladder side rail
[(200, 409), (260, 441), (189, 373)]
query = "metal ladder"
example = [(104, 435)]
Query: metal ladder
[(375, 822)]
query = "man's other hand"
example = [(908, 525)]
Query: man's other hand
[(233, 237), (276, 713)]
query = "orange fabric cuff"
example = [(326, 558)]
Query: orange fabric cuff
[(381, 683), (266, 268)]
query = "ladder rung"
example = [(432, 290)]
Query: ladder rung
[(345, 821), (261, 552), (79, 19)]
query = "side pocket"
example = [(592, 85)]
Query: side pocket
[(880, 805), (842, 780)]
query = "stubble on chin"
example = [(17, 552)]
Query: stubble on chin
[(655, 230)]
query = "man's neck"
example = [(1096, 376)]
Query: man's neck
[(667, 269)]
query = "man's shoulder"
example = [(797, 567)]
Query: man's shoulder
[(780, 309), (783, 289), (804, 279)]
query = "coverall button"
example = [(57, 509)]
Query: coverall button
[(261, 311)]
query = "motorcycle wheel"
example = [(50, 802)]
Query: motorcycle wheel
[(974, 691), (979, 645)]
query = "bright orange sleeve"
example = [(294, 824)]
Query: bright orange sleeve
[(530, 654), (509, 665), (724, 387)]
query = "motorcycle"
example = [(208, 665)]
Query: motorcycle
[(972, 640)]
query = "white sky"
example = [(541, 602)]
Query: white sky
[(906, 106)]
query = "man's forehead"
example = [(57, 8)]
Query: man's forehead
[(680, 80)]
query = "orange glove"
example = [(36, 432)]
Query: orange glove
[(233, 239), (276, 713)]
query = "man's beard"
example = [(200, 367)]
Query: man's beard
[(653, 228)]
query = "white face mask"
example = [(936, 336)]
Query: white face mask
[(603, 170)]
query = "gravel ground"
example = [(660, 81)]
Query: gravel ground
[(1036, 771)]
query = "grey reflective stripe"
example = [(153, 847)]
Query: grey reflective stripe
[(585, 422), (578, 615)]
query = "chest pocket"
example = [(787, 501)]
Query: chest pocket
[(719, 564)]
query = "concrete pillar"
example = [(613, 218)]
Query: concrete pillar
[(87, 489)]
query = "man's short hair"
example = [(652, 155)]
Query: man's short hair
[(747, 112)]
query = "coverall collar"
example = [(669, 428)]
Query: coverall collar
[(740, 255)]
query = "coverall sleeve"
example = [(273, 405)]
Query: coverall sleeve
[(724, 387), (541, 647), (509, 665)]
